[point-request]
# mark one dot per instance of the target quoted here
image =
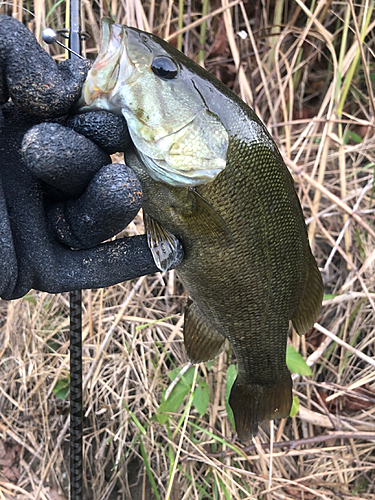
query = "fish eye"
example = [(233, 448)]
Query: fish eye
[(164, 67)]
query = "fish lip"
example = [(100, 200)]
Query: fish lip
[(106, 35), (103, 76)]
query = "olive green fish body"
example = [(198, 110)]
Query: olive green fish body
[(248, 288), (247, 265)]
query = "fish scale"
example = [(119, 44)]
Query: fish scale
[(248, 266)]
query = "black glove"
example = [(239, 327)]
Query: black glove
[(68, 195)]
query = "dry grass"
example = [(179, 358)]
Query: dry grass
[(307, 69)]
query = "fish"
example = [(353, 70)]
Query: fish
[(214, 179)]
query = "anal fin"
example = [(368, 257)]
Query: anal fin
[(202, 342), (164, 246)]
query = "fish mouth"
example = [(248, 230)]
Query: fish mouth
[(112, 61)]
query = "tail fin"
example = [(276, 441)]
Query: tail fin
[(253, 403)]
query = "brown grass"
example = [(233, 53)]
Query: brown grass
[(308, 74)]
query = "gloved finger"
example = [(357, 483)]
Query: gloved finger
[(31, 77), (62, 158), (106, 129), (99, 267), (65, 269), (111, 201)]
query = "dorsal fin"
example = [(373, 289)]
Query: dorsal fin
[(311, 299)]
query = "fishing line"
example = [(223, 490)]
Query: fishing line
[(22, 8)]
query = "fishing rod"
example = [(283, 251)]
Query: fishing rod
[(76, 404)]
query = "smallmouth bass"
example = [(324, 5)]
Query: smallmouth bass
[(213, 177)]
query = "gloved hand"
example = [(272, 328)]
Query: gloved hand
[(68, 195)]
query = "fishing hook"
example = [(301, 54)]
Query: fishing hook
[(50, 36)]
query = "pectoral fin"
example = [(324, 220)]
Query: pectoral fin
[(164, 245), (206, 219), (202, 341)]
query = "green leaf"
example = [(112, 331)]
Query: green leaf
[(209, 364), (174, 401), (362, 487), (360, 244), (231, 377), (186, 378), (327, 296), (201, 397), (204, 493), (295, 407), (31, 299), (61, 388), (150, 323), (350, 135), (177, 395), (53, 346), (141, 429), (224, 489), (295, 362)]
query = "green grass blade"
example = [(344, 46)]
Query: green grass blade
[(148, 469)]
